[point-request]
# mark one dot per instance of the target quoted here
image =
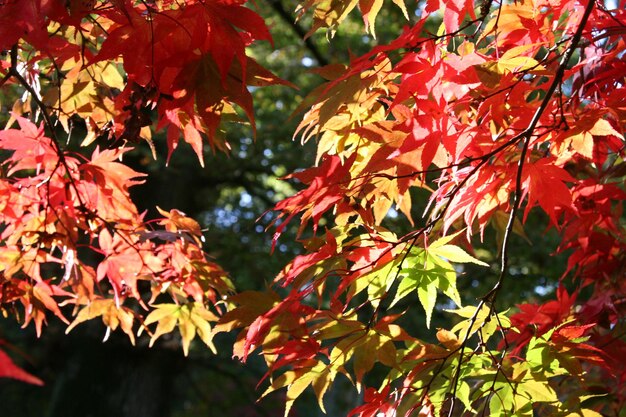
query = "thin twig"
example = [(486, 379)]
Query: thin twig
[(288, 18), (490, 297)]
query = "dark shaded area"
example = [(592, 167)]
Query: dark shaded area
[(85, 377)]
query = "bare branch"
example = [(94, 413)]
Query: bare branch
[(288, 18)]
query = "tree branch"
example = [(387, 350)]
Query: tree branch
[(490, 297), (527, 134), (288, 18)]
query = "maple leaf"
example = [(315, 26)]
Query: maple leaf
[(89, 93), (198, 66), (106, 185), (478, 320), (252, 304), (329, 14), (453, 12), (321, 194), (125, 262), (176, 221), (191, 319), (545, 184), (25, 19), (376, 403), (509, 19), (582, 138), (482, 195), (31, 148), (8, 369), (205, 96), (113, 316), (319, 376), (426, 274), (535, 320)]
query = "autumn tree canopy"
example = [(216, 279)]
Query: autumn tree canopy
[(478, 121)]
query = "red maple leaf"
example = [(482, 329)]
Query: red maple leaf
[(545, 184), (8, 369)]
